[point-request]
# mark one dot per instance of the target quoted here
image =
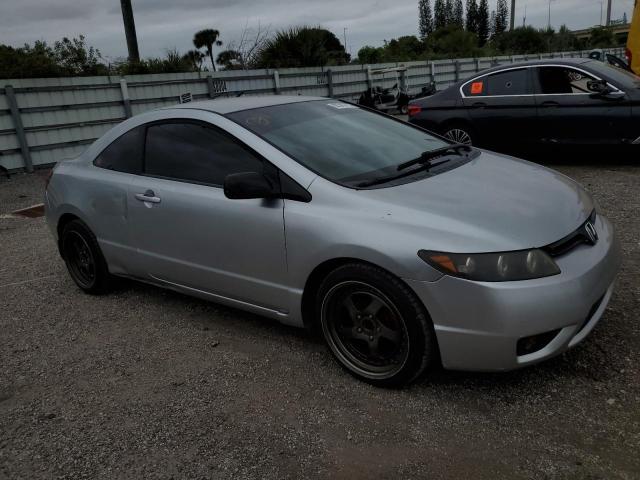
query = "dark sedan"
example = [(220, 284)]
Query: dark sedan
[(570, 102)]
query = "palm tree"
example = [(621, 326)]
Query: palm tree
[(229, 59), (194, 57), (207, 38)]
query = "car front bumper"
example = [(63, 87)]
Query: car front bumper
[(478, 324)]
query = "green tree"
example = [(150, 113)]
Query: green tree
[(28, 62), (207, 38), (454, 42), (439, 14), (458, 14), (229, 59), (602, 37), (403, 49), (425, 19), (502, 17), (195, 58), (448, 8), (369, 54), (521, 40), (565, 40), (76, 58), (483, 22), (302, 47), (472, 16)]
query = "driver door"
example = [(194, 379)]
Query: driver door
[(570, 114), (189, 235)]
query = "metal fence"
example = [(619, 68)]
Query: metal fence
[(47, 119)]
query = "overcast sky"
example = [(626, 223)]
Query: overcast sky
[(163, 24)]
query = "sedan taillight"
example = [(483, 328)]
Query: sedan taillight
[(414, 110)]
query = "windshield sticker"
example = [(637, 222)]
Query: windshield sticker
[(476, 88), (341, 106)]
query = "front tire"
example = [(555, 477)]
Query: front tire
[(374, 326), (84, 259)]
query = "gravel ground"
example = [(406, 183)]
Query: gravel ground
[(147, 383)]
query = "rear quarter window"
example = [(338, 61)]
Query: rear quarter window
[(124, 154)]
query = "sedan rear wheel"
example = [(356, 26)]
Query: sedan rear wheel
[(85, 262), (374, 326)]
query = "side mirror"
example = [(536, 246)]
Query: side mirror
[(598, 86), (249, 185)]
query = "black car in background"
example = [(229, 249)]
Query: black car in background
[(569, 102)]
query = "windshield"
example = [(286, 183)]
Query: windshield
[(338, 140), (623, 78)]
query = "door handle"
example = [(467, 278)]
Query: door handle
[(549, 104), (479, 105), (147, 196)]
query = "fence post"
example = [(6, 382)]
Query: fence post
[(125, 98), (477, 64), (457, 64), (432, 70), (17, 122), (210, 89), (276, 82), (511, 59), (403, 80), (369, 81), (330, 82)]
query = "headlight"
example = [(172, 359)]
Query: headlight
[(493, 267)]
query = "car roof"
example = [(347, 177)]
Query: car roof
[(236, 104), (546, 61)]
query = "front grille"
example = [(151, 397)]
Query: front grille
[(571, 241)]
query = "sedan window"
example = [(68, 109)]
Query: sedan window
[(509, 82), (196, 153), (559, 80), (124, 154)]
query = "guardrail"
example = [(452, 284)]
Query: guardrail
[(46, 119)]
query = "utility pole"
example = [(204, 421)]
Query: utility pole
[(344, 32), (549, 18), (130, 30), (524, 17), (513, 14), (608, 13), (600, 12)]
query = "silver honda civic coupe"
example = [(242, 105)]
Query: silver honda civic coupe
[(402, 249)]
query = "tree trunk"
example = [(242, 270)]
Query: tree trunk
[(130, 30), (213, 64)]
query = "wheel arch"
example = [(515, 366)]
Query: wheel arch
[(320, 272)]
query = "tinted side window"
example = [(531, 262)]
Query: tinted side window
[(195, 152), (562, 80), (124, 154), (511, 82)]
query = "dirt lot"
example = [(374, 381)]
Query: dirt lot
[(147, 383)]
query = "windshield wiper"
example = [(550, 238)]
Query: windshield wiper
[(425, 162), (426, 157), (390, 178)]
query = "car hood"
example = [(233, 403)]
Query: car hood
[(492, 203)]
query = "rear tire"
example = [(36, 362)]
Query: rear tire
[(84, 259), (375, 327), (459, 133)]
